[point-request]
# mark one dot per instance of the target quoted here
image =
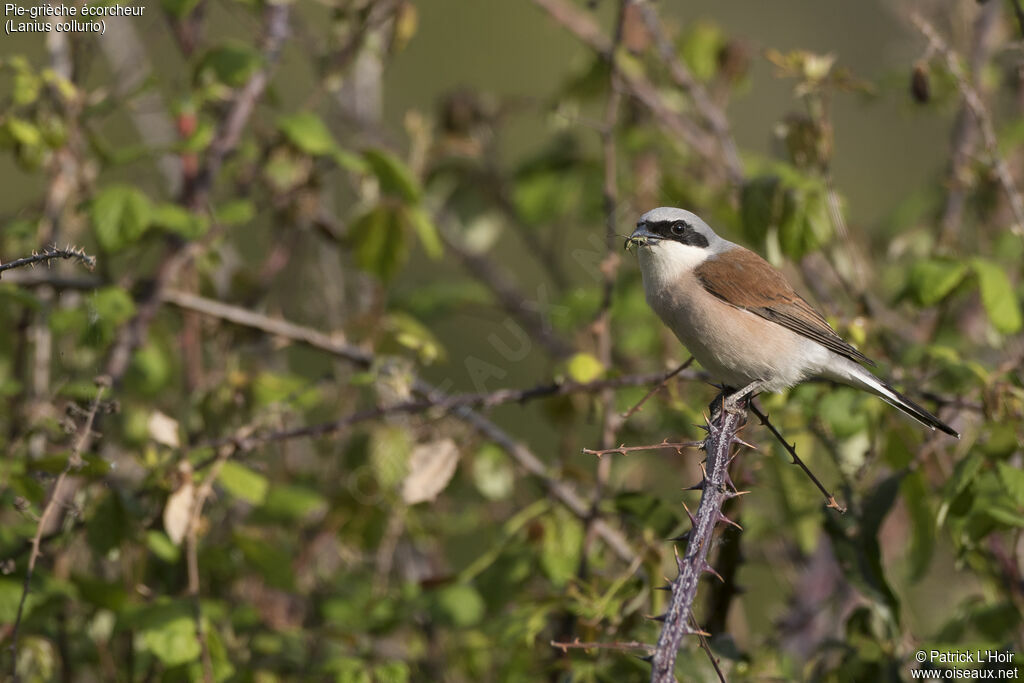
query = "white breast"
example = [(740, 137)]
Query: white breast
[(735, 346)]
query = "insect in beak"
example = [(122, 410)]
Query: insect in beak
[(633, 241)]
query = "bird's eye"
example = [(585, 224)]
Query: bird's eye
[(678, 228)]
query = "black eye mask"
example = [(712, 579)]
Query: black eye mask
[(678, 231)]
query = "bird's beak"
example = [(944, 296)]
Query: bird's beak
[(640, 237)]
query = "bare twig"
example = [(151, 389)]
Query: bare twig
[(715, 488), (830, 500), (965, 126), (702, 102), (49, 254), (493, 276), (583, 27), (981, 115), (196, 194), (625, 450), (577, 644), (55, 499), (655, 389)]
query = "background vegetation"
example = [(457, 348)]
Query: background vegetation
[(310, 402)]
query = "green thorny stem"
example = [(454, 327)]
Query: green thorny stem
[(716, 488)]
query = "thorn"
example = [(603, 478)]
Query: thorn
[(689, 514), (704, 427), (723, 518), (645, 658), (679, 560), (660, 617), (741, 442), (711, 570), (696, 632), (685, 536), (667, 587), (736, 494), (699, 486)]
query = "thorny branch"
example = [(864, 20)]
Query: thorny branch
[(624, 450), (716, 488), (830, 500), (55, 499), (49, 254)]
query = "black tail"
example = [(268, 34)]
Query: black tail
[(898, 400)]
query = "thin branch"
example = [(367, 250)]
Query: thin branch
[(50, 253), (716, 488), (55, 498), (702, 102), (505, 290), (655, 389), (583, 27), (704, 645), (577, 644), (981, 115), (192, 555), (830, 500), (196, 195), (625, 450), (334, 343), (965, 126)]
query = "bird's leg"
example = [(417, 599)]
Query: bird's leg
[(732, 401)]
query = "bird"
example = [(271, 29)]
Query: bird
[(741, 319)]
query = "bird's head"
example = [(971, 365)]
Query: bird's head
[(674, 239)]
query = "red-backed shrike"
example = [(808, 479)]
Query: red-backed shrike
[(739, 317)]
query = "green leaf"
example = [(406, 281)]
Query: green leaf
[(120, 215), (425, 229), (394, 176), (161, 546), (998, 297), (760, 207), (380, 245), (932, 281), (1012, 479), (584, 367), (560, 547), (389, 455), (168, 631), (307, 131), (917, 497), (492, 473), (237, 212), (231, 63), (241, 482), (24, 132), (462, 605), (179, 220), (273, 387), (294, 503)]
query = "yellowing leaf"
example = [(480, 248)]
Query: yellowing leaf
[(584, 367), (178, 510), (431, 467), (163, 429)]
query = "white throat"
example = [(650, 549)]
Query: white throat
[(662, 263)]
